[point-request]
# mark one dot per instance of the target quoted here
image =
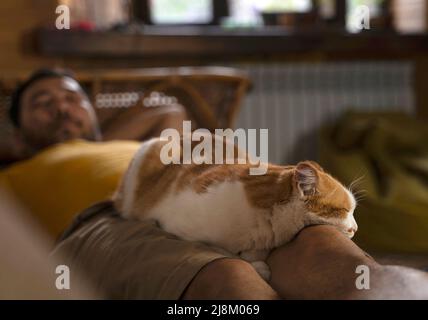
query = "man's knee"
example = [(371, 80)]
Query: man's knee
[(229, 279)]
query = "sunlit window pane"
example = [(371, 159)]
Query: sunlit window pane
[(283, 5), (181, 11)]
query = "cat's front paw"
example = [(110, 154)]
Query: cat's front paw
[(262, 269)]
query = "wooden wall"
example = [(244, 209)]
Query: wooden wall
[(18, 18), (18, 54)]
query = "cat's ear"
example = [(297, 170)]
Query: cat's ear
[(306, 176), (314, 164)]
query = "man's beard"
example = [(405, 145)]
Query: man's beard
[(57, 133)]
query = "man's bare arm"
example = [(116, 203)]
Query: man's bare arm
[(145, 123), (321, 264)]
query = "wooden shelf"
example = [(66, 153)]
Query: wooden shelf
[(212, 42)]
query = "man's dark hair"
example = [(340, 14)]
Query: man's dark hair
[(15, 105)]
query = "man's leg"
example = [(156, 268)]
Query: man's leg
[(229, 279), (131, 259), (321, 264)]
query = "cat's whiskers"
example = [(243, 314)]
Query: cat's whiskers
[(353, 188), (355, 183), (360, 195)]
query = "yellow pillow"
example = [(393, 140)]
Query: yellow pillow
[(66, 178)]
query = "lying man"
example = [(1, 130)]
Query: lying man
[(67, 168)]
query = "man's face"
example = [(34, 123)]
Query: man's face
[(55, 110)]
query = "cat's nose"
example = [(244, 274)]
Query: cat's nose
[(353, 229)]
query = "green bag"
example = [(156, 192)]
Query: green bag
[(389, 151)]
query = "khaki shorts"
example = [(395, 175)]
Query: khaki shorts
[(131, 259)]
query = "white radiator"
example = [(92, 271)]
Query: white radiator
[(294, 100)]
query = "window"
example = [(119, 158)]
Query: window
[(181, 11)]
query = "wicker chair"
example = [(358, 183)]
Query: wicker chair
[(211, 95)]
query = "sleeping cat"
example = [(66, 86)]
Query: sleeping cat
[(222, 205)]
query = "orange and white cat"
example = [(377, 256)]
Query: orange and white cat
[(222, 205)]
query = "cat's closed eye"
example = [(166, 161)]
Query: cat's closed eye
[(283, 201)]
